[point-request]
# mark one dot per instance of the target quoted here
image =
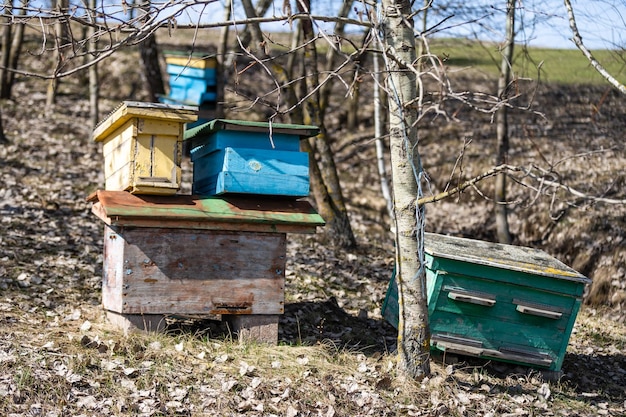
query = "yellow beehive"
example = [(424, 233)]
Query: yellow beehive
[(142, 146)]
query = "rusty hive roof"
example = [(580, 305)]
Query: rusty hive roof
[(120, 208)]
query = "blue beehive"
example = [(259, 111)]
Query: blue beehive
[(241, 157), (191, 81)]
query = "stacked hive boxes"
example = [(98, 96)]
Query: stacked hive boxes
[(192, 81), (202, 254)]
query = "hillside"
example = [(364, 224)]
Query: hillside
[(59, 356)]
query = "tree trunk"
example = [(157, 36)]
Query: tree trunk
[(149, 52), (380, 143), (152, 69), (413, 327), (94, 85), (16, 47), (502, 127), (6, 50), (327, 192), (61, 42), (222, 57), (3, 139), (246, 35), (328, 195)]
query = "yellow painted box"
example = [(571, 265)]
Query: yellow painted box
[(142, 146)]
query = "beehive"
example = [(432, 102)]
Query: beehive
[(142, 147), (496, 301), (184, 255), (240, 157), (192, 81)]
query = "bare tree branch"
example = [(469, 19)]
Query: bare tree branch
[(578, 40), (541, 179)]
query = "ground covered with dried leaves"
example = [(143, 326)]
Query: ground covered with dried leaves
[(60, 357)]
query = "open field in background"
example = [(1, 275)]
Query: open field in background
[(59, 356), (558, 66)]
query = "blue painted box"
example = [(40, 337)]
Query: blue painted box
[(240, 157), (191, 81)]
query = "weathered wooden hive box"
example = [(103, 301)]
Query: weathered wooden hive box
[(142, 146), (239, 157), (186, 255), (192, 80), (496, 301)]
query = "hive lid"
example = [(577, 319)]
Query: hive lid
[(129, 109), (191, 61), (255, 213), (499, 255), (304, 131)]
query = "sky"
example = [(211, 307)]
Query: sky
[(602, 23)]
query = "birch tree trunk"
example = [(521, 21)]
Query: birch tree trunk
[(413, 328), (502, 126)]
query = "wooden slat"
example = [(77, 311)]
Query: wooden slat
[(194, 272)]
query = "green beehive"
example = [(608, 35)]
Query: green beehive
[(496, 301)]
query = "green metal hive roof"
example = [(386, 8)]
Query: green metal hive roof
[(529, 260), (304, 131)]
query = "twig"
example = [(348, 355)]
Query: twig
[(578, 40), (466, 184), (527, 172)]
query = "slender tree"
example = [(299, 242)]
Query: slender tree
[(149, 52), (502, 125), (94, 84), (328, 194), (6, 49), (62, 42), (406, 168), (3, 138), (16, 46)]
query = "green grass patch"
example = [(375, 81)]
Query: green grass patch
[(561, 66)]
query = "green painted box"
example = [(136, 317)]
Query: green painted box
[(496, 301)]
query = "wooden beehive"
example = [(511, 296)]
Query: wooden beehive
[(496, 301), (239, 157), (184, 255), (192, 81), (142, 147)]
